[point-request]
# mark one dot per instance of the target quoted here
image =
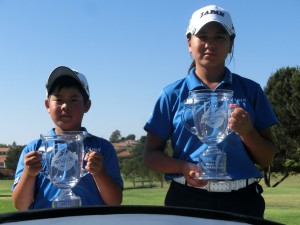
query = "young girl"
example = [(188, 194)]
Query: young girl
[(210, 38)]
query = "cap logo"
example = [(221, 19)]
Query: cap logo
[(212, 12)]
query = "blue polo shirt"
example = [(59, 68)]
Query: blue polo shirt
[(86, 188), (165, 121)]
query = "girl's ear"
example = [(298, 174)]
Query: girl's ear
[(231, 44), (230, 48), (189, 45), (88, 106)]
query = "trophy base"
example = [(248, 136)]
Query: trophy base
[(214, 178), (67, 203), (66, 199)]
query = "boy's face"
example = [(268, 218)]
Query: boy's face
[(66, 108)]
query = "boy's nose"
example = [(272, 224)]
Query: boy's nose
[(66, 107)]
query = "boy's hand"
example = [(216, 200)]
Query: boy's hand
[(32, 163), (94, 162)]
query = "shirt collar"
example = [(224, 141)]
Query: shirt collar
[(86, 133), (195, 83)]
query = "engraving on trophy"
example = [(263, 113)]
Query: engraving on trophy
[(64, 160), (213, 119)]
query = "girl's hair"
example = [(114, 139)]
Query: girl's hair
[(68, 82), (193, 64)]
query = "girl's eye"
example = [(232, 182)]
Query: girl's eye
[(200, 35), (221, 37), (204, 37)]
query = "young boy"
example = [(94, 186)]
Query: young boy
[(68, 98)]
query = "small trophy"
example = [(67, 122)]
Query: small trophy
[(64, 155), (210, 114)]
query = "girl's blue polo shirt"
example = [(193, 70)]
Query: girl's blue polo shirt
[(165, 121), (86, 188)]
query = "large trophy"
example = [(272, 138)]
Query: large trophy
[(209, 113), (63, 156)]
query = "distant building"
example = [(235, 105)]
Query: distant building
[(3, 156), (122, 147)]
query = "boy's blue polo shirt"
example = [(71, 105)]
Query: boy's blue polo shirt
[(86, 188), (165, 121)]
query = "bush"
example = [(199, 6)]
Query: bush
[(6, 174)]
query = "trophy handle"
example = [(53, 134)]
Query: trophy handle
[(83, 171), (186, 110), (44, 171), (230, 111)]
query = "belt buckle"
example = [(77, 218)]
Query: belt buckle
[(224, 186)]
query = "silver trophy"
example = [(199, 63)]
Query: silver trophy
[(63, 156), (209, 114)]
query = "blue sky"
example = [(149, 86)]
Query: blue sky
[(129, 50)]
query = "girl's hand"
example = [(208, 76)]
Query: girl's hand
[(191, 172), (240, 121)]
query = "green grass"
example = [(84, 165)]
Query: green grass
[(5, 196), (282, 202), (144, 195)]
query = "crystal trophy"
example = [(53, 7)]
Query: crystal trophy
[(63, 155), (209, 111)]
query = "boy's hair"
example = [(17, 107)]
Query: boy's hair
[(68, 82)]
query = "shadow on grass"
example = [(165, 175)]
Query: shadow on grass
[(140, 187), (5, 195)]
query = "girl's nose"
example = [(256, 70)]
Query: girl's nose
[(210, 42), (209, 45)]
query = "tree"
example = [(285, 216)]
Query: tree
[(132, 167), (13, 157), (115, 137), (283, 92), (131, 137), (143, 139), (14, 144)]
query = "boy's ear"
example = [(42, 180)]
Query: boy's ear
[(47, 104), (88, 106)]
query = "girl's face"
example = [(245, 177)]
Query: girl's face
[(66, 108), (210, 46)]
